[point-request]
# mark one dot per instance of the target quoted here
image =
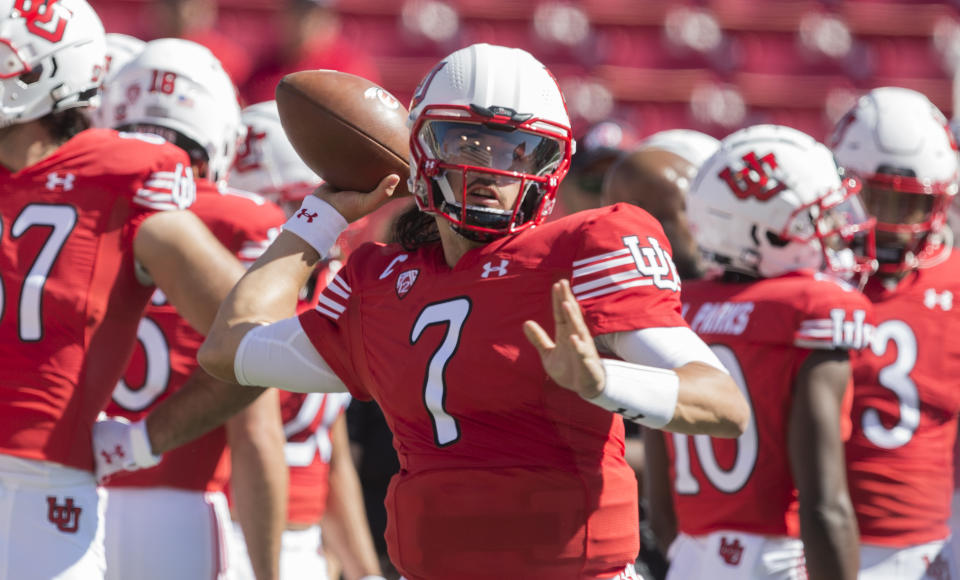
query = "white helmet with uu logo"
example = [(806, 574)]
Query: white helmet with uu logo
[(52, 57), (178, 90), (900, 146), (772, 200), (266, 161), (488, 114)]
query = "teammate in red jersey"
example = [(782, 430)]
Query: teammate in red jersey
[(80, 209), (511, 461), (323, 480), (905, 397), (771, 209), (182, 499)]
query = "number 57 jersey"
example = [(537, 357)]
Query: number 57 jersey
[(69, 299), (906, 400), (503, 473), (763, 331)]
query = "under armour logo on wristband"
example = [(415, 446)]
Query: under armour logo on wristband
[(66, 517), (305, 214), (108, 456)]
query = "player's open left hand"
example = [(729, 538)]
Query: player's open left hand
[(353, 205), (570, 358)]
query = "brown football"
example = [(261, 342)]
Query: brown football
[(348, 130)]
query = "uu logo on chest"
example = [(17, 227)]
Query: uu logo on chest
[(405, 281)]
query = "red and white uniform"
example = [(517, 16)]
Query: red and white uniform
[(69, 308), (503, 472), (906, 400), (194, 475), (762, 331), (308, 419)]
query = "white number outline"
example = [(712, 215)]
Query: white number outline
[(453, 313), (301, 453), (748, 445), (62, 218), (894, 377), (156, 380)]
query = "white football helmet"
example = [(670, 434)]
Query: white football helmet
[(266, 161), (178, 89), (121, 49), (694, 146), (900, 146), (772, 200), (52, 56), (495, 114)]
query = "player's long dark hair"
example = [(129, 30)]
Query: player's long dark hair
[(64, 125), (414, 229)]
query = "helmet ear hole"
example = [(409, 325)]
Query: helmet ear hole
[(775, 240), (29, 78)]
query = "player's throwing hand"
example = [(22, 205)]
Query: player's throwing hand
[(570, 359)]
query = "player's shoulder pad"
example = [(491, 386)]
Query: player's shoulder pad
[(109, 152)]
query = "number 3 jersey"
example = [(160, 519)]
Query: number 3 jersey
[(503, 473), (166, 353), (762, 331), (906, 400), (69, 299)]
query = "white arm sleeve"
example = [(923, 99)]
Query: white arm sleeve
[(666, 348), (280, 355)]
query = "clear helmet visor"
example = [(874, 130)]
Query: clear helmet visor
[(508, 151)]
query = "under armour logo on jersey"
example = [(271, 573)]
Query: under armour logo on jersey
[(731, 552), (66, 517), (405, 282), (500, 270), (932, 299), (757, 177), (303, 213), (65, 183), (654, 263)]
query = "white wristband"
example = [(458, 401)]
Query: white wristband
[(140, 445), (317, 223), (645, 395)]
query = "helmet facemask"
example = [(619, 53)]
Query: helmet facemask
[(469, 163), (911, 216)]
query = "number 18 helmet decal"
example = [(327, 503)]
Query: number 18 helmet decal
[(488, 114), (178, 89), (900, 145), (772, 200), (52, 56)]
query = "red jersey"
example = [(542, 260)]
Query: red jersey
[(70, 301), (762, 331), (307, 421), (166, 353), (503, 473), (906, 399)]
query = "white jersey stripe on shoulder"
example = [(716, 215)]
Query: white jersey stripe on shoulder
[(160, 205), (615, 288), (607, 280), (336, 286), (600, 266), (600, 257), (330, 303), (327, 313), (338, 279)]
